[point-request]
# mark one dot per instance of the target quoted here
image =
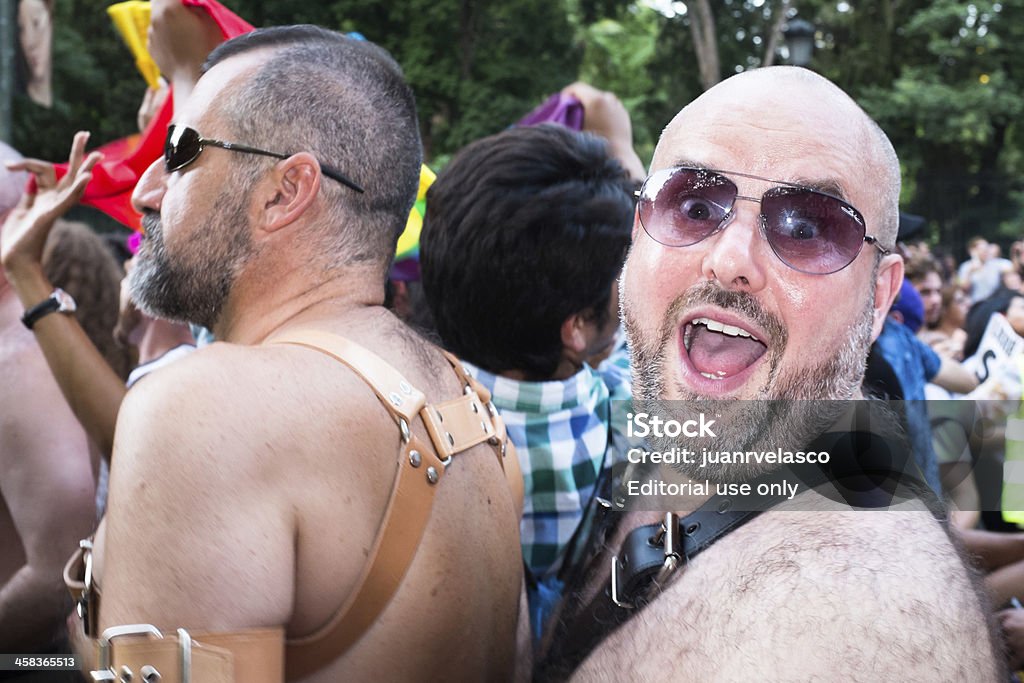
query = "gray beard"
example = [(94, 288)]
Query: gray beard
[(789, 411), (194, 284)]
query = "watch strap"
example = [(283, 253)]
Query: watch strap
[(50, 304)]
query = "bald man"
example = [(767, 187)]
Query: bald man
[(761, 269)]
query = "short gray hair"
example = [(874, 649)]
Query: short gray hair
[(346, 102)]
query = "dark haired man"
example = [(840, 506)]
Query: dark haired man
[(523, 240), (761, 269), (264, 497), (923, 272)]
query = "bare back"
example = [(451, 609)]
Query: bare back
[(798, 596), (297, 462)]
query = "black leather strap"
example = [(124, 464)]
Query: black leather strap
[(59, 300), (40, 310), (863, 464), (642, 555)]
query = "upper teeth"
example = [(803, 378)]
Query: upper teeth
[(730, 330)]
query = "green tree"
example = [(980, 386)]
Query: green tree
[(952, 111)]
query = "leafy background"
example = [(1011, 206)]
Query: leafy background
[(945, 79)]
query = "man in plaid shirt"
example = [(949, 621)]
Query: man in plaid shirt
[(524, 237)]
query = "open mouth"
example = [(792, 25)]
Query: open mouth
[(718, 350)]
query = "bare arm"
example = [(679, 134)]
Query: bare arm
[(952, 376), (1002, 556), (189, 545), (48, 488), (89, 384), (992, 549), (605, 115), (180, 38)]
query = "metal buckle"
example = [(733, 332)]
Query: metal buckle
[(667, 538), (105, 672), (615, 585), (670, 539), (83, 609)]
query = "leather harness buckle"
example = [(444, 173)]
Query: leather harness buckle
[(106, 671), (668, 539)]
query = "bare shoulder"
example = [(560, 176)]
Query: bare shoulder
[(819, 595), (248, 393)]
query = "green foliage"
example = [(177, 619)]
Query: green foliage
[(95, 84), (476, 67), (945, 79), (616, 57), (952, 112)]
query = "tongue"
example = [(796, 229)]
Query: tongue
[(720, 355)]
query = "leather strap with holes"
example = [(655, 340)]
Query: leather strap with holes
[(453, 427)]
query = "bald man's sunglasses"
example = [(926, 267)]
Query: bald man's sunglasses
[(809, 230), (184, 145)]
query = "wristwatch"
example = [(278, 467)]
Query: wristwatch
[(58, 302)]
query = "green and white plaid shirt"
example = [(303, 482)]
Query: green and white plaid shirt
[(562, 431)]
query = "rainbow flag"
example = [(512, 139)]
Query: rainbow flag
[(407, 255)]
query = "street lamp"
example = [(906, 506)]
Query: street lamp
[(799, 35)]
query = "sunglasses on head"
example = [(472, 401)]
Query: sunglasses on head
[(184, 145), (809, 230)]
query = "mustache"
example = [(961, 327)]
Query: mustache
[(151, 223), (708, 293)]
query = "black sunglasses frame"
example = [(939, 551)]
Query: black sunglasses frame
[(170, 151), (779, 187)]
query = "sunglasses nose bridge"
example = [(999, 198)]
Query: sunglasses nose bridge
[(731, 257)]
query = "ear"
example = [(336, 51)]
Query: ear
[(291, 188), (574, 338), (887, 286), (636, 224)]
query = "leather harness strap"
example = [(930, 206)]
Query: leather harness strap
[(144, 653), (646, 559), (452, 426)]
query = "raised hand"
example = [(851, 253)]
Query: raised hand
[(24, 233), (606, 116), (179, 40)]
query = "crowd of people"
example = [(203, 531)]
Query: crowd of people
[(273, 461)]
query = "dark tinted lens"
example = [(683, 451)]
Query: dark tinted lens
[(810, 231), (181, 148), (682, 206)]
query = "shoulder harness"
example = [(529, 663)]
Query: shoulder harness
[(453, 426), (874, 473)]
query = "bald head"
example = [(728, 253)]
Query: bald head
[(12, 183), (787, 120)]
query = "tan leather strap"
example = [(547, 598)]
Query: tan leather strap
[(399, 396), (506, 451), (251, 655), (454, 426), (397, 541)]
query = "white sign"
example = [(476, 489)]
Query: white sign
[(995, 363)]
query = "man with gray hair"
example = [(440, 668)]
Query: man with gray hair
[(46, 486), (761, 269), (321, 495)]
